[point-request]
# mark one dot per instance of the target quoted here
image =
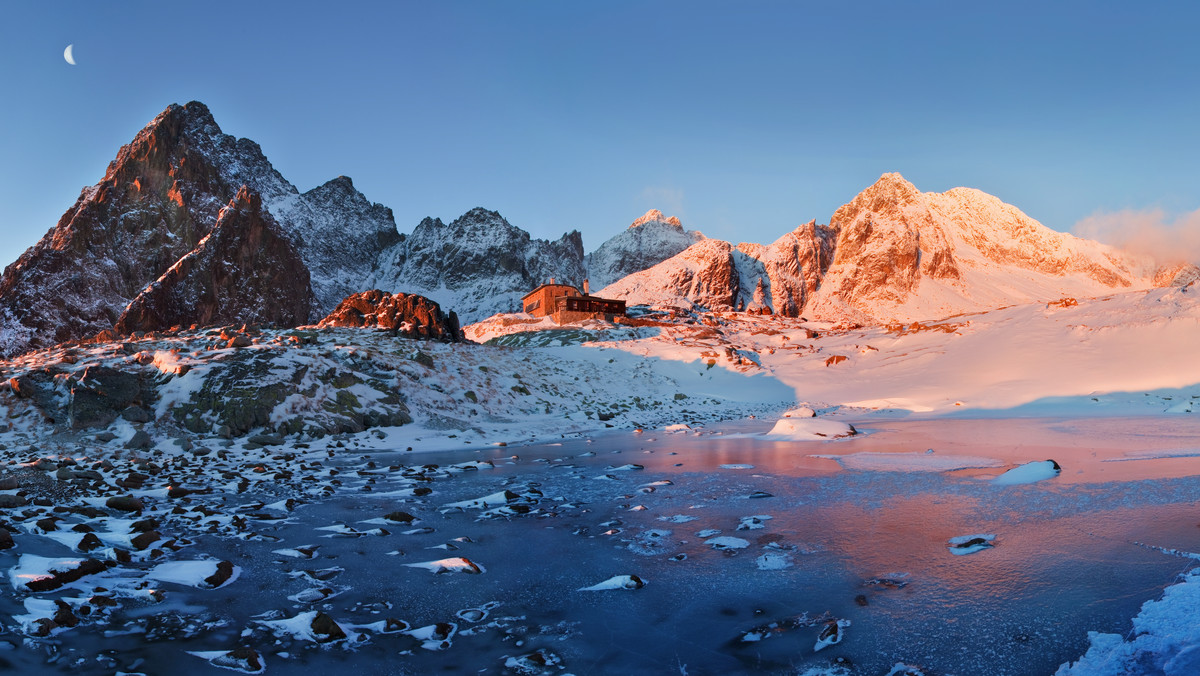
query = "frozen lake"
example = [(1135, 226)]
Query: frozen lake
[(855, 536)]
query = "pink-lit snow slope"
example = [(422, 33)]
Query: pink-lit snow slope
[(1075, 357)]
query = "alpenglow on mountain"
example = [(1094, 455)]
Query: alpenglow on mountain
[(894, 253), (649, 240), (190, 225)]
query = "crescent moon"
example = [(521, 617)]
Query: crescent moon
[(67, 54)]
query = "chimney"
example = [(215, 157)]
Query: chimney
[(585, 287), (551, 280)]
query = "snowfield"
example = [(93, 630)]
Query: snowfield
[(185, 469)]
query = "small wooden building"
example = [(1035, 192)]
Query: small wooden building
[(564, 304), (540, 301)]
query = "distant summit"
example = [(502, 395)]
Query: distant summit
[(478, 265), (649, 240), (656, 216)]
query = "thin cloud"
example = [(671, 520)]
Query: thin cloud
[(1148, 232), (667, 200)]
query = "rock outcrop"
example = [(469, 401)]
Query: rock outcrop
[(244, 272), (407, 315), (650, 240)]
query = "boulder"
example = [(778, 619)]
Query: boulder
[(7, 500), (124, 503), (139, 441), (245, 660), (407, 315), (326, 629), (64, 572), (221, 576)]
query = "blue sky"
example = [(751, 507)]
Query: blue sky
[(745, 119)]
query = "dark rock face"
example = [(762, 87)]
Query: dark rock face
[(408, 315), (486, 262), (39, 387), (245, 271)]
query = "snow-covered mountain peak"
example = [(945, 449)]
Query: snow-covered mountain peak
[(341, 193), (481, 216), (774, 279), (902, 254), (894, 185), (650, 240), (656, 216), (478, 264), (340, 184)]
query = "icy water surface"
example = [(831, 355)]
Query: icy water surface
[(747, 549)]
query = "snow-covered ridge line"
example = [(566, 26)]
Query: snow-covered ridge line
[(894, 253)]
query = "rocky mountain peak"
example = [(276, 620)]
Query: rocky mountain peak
[(656, 216), (479, 264), (159, 197), (340, 184), (902, 254), (888, 194), (650, 240), (338, 190), (245, 271), (481, 216), (340, 234)]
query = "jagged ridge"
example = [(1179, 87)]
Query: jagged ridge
[(479, 264), (895, 253), (649, 240)]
